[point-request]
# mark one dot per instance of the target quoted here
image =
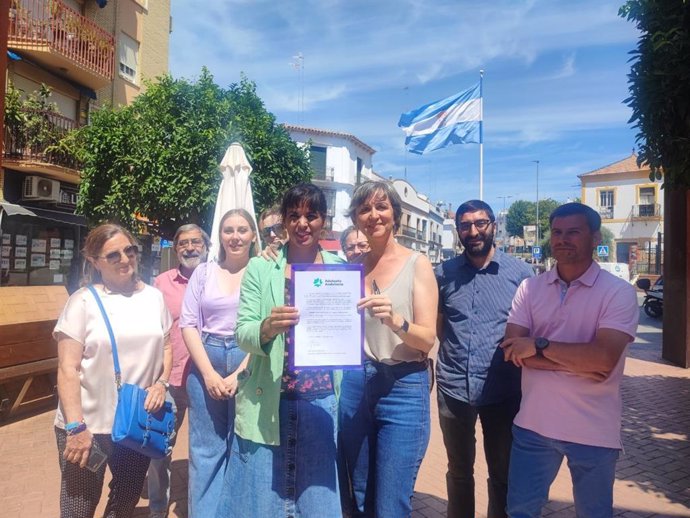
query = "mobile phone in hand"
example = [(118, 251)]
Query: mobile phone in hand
[(96, 458)]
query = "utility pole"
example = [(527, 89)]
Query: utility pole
[(537, 229)]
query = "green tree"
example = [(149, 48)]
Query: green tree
[(524, 212), (158, 158), (659, 83)]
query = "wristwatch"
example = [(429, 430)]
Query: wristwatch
[(403, 328), (541, 343), (163, 382)]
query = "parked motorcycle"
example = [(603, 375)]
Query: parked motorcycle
[(653, 303)]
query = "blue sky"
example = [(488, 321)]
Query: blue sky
[(554, 82)]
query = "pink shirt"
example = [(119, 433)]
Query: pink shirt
[(173, 285), (562, 405)]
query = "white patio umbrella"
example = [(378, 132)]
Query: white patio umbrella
[(235, 192)]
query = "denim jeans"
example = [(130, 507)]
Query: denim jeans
[(458, 423), (384, 432), (211, 424), (160, 469), (534, 463), (298, 478)]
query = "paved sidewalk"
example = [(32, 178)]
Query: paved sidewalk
[(652, 479)]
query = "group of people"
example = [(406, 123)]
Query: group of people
[(267, 439)]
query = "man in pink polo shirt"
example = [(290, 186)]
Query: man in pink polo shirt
[(191, 245), (568, 329)]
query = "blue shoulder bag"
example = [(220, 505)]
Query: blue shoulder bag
[(144, 432)]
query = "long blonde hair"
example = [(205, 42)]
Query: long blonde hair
[(254, 248)]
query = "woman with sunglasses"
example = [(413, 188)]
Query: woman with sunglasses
[(283, 458), (271, 227), (208, 321), (384, 408), (86, 376)]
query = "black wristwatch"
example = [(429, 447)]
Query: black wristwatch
[(403, 328), (541, 343)]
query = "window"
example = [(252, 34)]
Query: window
[(317, 158), (360, 164), (647, 201), (129, 57), (606, 204)]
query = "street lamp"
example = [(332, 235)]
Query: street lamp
[(537, 229), (504, 198)]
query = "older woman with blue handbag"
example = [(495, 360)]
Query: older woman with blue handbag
[(87, 385)]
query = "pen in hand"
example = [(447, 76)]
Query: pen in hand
[(376, 291)]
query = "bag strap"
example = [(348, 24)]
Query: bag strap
[(116, 360)]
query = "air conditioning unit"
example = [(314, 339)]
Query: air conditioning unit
[(38, 188)]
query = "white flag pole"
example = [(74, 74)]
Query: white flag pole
[(481, 136)]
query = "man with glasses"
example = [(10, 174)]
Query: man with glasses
[(353, 243), (475, 294), (191, 245)]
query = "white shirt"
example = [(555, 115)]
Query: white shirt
[(140, 324)]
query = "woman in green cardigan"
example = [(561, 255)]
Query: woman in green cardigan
[(283, 458)]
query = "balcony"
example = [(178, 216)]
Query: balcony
[(34, 146), (606, 212), (646, 210), (59, 38)]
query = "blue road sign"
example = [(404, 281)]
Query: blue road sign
[(603, 251), (536, 252)]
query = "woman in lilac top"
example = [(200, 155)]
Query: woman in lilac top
[(208, 327)]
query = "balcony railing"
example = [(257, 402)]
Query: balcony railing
[(37, 24), (37, 140), (606, 212), (646, 210)]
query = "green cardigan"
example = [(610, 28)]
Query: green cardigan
[(258, 395)]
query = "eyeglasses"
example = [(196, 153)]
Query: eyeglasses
[(131, 251), (278, 229), (362, 247), (197, 242), (479, 224)]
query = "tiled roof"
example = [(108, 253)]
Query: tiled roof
[(627, 165), (330, 133)]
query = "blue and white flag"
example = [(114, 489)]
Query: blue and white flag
[(453, 120)]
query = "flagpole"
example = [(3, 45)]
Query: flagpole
[(481, 136)]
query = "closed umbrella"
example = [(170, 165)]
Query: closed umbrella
[(235, 191)]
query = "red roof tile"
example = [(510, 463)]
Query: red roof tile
[(627, 165)]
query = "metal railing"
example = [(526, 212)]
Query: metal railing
[(37, 140), (35, 24), (646, 210), (606, 212)]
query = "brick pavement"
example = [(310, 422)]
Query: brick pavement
[(652, 479)]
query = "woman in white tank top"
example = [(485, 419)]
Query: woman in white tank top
[(384, 408)]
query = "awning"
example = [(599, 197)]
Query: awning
[(62, 217), (12, 209), (331, 245)]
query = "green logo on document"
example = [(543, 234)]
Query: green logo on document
[(318, 282)]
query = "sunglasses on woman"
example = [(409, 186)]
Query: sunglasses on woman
[(131, 251), (276, 229)]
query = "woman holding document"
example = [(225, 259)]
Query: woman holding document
[(283, 458), (384, 408)]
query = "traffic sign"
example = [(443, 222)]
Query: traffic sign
[(536, 252), (603, 251)]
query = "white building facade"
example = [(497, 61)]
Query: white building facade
[(631, 207), (339, 162)]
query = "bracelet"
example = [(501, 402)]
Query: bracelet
[(81, 427), (73, 425)]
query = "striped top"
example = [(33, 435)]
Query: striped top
[(475, 305)]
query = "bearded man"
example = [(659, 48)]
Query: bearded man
[(476, 289), (191, 245)]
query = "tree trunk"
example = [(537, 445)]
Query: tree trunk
[(676, 337)]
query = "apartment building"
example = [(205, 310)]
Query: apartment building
[(631, 206), (65, 58)]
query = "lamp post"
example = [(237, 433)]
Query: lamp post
[(537, 228), (504, 198)]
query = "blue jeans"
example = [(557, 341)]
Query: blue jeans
[(384, 432), (211, 424), (159, 469), (534, 463), (296, 479), (458, 423)]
